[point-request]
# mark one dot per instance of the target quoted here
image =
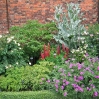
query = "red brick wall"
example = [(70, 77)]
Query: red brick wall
[(43, 10), (3, 17)]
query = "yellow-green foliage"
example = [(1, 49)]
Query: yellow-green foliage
[(26, 78)]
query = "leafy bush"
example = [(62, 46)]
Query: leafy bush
[(33, 35), (30, 95), (26, 78), (11, 53), (92, 39), (69, 25), (75, 80)]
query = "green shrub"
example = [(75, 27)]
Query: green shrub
[(11, 53), (33, 35), (30, 95), (26, 78), (92, 39)]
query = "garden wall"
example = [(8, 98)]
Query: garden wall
[(19, 11)]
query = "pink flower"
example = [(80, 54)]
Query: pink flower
[(81, 73), (56, 85), (57, 81), (89, 89), (62, 87), (79, 66), (67, 82), (80, 77), (48, 81), (95, 94), (69, 74), (65, 93), (96, 76), (98, 68)]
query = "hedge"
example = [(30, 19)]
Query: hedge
[(30, 95)]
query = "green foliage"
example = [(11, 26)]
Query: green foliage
[(33, 35), (10, 53), (69, 25), (30, 95), (26, 78), (92, 39)]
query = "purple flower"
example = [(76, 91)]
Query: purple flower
[(95, 94), (57, 81), (67, 82), (80, 77), (98, 68), (80, 89), (48, 81), (81, 73), (62, 87), (89, 89), (93, 86), (69, 74), (79, 66), (56, 85), (96, 76), (71, 65), (64, 80), (65, 93)]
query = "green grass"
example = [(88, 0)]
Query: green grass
[(30, 95)]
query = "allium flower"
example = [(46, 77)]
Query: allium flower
[(65, 93), (95, 94)]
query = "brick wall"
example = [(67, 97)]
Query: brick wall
[(3, 17), (43, 10)]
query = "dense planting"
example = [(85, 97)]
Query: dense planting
[(60, 56)]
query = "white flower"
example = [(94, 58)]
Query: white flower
[(86, 33), (29, 63), (0, 36), (82, 41), (20, 48), (9, 40), (9, 65), (73, 51), (12, 51), (6, 67), (91, 35), (17, 63), (15, 41), (18, 44), (12, 37)]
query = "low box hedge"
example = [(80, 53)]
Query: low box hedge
[(30, 95)]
